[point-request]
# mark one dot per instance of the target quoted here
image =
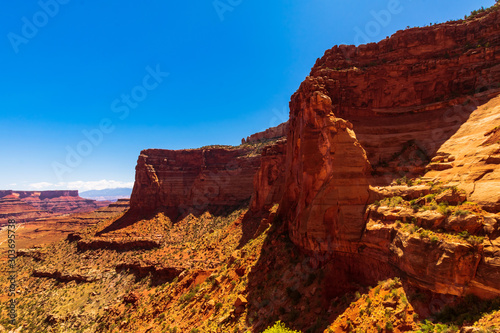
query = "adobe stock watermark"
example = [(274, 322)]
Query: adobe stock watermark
[(223, 6), (30, 28), (279, 117), (381, 19), (120, 106)]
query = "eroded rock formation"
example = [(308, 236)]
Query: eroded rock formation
[(370, 114), (27, 206), (409, 105), (193, 181)]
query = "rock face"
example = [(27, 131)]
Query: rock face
[(193, 181), (270, 133), (407, 94), (327, 174), (269, 181), (472, 160), (370, 114)]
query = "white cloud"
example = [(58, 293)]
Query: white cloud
[(80, 185)]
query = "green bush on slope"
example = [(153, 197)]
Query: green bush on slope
[(279, 327)]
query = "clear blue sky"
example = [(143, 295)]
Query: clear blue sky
[(101, 67)]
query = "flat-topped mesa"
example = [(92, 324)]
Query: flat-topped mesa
[(42, 195), (413, 89), (26, 206), (193, 181), (214, 178), (57, 194)]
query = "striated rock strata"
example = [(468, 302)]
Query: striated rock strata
[(193, 181), (407, 94), (27, 206), (370, 114), (409, 105)]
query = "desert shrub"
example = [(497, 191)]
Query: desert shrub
[(190, 295), (218, 305), (279, 327), (460, 212), (444, 209), (464, 234), (475, 240), (424, 233), (392, 201)]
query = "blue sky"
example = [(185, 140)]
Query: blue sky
[(87, 85)]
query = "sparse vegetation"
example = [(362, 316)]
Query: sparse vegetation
[(279, 327)]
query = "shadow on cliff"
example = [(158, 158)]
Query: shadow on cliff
[(287, 284), (423, 135), (174, 214), (128, 219)]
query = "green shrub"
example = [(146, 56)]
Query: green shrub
[(424, 233), (279, 327), (218, 305), (444, 209), (190, 295), (460, 212), (475, 240)]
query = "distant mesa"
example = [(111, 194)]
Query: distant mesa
[(26, 206)]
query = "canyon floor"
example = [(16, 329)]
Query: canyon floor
[(230, 273)]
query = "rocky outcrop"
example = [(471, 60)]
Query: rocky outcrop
[(269, 134), (370, 114), (407, 94), (193, 181), (473, 158), (159, 273), (62, 276), (269, 181), (327, 174), (118, 244)]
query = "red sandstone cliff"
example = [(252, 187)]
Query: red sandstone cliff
[(373, 113), (196, 180), (214, 179), (417, 87), (365, 116)]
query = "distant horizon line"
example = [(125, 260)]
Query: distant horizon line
[(69, 189)]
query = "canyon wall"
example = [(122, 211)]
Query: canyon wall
[(370, 114), (193, 181), (412, 90), (415, 104), (269, 134), (269, 181)]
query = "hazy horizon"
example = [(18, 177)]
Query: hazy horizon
[(86, 88)]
